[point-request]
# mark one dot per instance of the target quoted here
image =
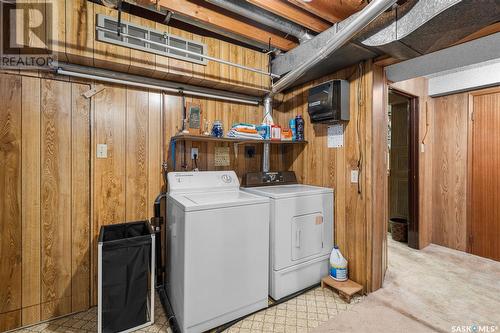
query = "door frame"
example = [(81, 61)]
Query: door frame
[(413, 168), (469, 194)]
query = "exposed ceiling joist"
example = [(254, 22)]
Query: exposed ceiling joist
[(221, 21), (333, 11), (292, 13), (486, 31)]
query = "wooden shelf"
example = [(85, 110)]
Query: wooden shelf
[(190, 137)]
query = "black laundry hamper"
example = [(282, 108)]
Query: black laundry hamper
[(126, 259)]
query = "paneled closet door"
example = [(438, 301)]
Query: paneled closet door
[(45, 204), (485, 179)]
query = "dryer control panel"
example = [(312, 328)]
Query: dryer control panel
[(253, 179)]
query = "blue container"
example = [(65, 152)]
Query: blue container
[(264, 131), (291, 124), (218, 129), (299, 128)]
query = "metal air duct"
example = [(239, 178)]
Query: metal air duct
[(364, 17)]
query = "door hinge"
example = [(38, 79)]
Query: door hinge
[(472, 116)]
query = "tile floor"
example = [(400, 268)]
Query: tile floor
[(299, 314)]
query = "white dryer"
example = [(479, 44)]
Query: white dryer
[(217, 249), (301, 231)]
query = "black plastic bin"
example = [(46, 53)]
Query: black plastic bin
[(125, 277)]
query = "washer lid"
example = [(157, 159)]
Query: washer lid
[(220, 199), (287, 191), (202, 181)]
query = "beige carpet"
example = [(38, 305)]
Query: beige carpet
[(432, 290)]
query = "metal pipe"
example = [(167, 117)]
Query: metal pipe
[(156, 87), (263, 16), (367, 15), (266, 155), (204, 56)]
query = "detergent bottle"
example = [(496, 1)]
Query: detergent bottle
[(338, 265)]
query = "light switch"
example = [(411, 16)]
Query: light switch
[(354, 176), (102, 150)]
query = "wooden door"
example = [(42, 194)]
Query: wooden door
[(484, 236), (398, 179)]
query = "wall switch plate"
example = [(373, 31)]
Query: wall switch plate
[(194, 151), (102, 150), (354, 176)]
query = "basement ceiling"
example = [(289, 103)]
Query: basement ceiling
[(314, 16), (299, 28)]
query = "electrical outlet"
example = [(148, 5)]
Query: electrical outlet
[(194, 151), (249, 151), (354, 176), (102, 151)]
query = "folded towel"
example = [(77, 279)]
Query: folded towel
[(243, 135)]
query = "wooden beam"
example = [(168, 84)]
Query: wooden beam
[(191, 9), (332, 11), (292, 13), (488, 30)]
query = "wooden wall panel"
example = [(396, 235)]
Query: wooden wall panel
[(80, 198), (109, 173), (10, 200), (449, 173), (155, 156), (137, 154), (31, 199), (80, 31), (379, 187), (318, 165), (56, 197)]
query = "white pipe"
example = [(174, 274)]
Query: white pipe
[(266, 155), (151, 86), (204, 56)]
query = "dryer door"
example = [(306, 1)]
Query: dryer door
[(307, 235)]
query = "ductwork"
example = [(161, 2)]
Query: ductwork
[(264, 17), (364, 17), (415, 28)]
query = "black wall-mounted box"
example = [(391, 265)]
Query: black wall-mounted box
[(329, 102)]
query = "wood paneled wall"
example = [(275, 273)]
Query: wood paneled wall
[(60, 194), (316, 164), (45, 209), (77, 44), (449, 172)]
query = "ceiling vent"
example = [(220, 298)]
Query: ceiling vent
[(149, 40)]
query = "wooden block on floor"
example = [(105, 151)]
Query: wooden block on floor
[(346, 289)]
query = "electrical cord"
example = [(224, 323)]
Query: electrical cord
[(426, 123), (358, 125)]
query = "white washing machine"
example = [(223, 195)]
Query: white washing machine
[(217, 249), (301, 231)]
